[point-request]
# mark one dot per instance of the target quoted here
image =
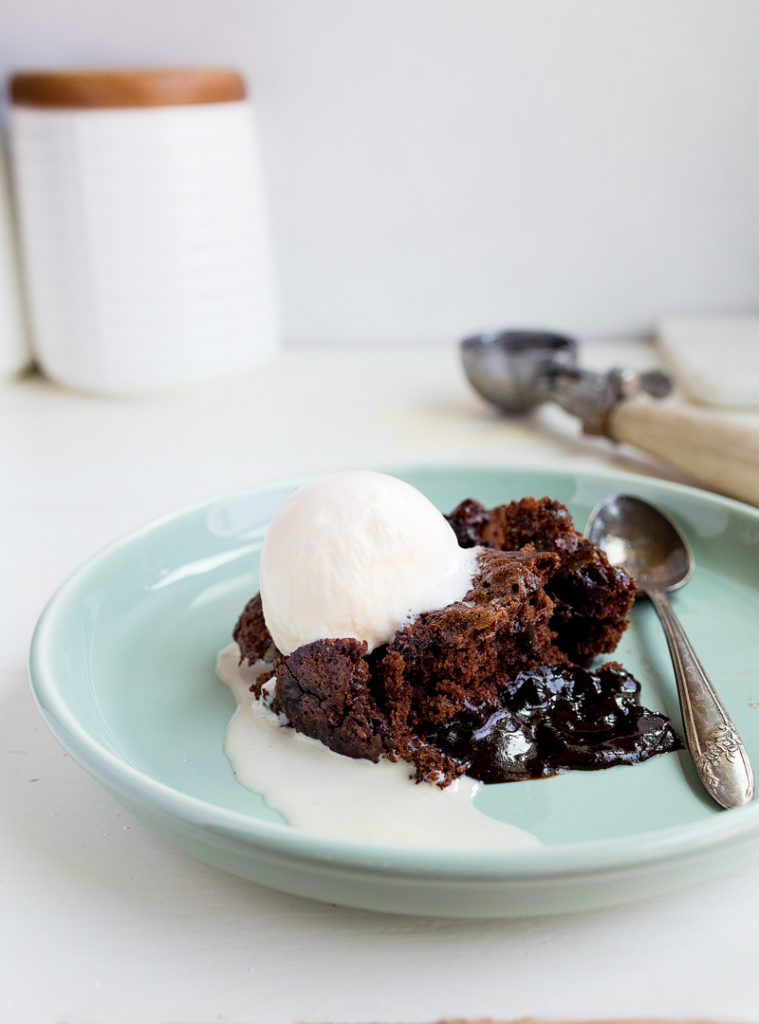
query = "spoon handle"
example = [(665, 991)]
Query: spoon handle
[(693, 441), (713, 741)]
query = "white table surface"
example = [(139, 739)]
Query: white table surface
[(103, 922)]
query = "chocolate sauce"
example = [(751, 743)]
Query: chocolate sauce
[(551, 720)]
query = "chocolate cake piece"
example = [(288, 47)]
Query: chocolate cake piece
[(463, 654), (543, 522), (324, 689), (250, 634), (592, 599)]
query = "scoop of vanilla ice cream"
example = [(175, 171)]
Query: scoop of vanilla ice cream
[(357, 554)]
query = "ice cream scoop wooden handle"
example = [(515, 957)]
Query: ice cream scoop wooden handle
[(719, 453)]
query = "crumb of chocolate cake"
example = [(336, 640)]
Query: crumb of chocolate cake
[(262, 678), (250, 634), (473, 523), (431, 763), (592, 598)]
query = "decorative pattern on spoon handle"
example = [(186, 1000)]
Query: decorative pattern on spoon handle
[(724, 744), (710, 735)]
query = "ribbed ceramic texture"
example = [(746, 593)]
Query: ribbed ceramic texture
[(145, 243), (123, 669), (14, 342)]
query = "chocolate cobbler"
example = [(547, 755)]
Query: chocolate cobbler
[(498, 685)]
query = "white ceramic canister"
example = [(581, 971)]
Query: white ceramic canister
[(14, 343), (143, 227)]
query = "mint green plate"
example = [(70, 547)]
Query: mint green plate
[(122, 666)]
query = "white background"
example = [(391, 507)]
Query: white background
[(439, 166)]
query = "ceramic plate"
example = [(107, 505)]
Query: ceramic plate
[(122, 666)]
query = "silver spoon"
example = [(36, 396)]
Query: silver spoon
[(649, 546)]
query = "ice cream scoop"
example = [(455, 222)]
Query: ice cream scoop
[(519, 370), (357, 554)]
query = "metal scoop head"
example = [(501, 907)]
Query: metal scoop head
[(518, 370), (515, 370)]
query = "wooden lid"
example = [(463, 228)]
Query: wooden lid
[(162, 87)]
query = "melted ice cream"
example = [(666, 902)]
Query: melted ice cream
[(320, 791)]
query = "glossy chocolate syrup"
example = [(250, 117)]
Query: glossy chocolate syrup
[(551, 720)]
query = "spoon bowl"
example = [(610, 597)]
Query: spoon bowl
[(648, 545)]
